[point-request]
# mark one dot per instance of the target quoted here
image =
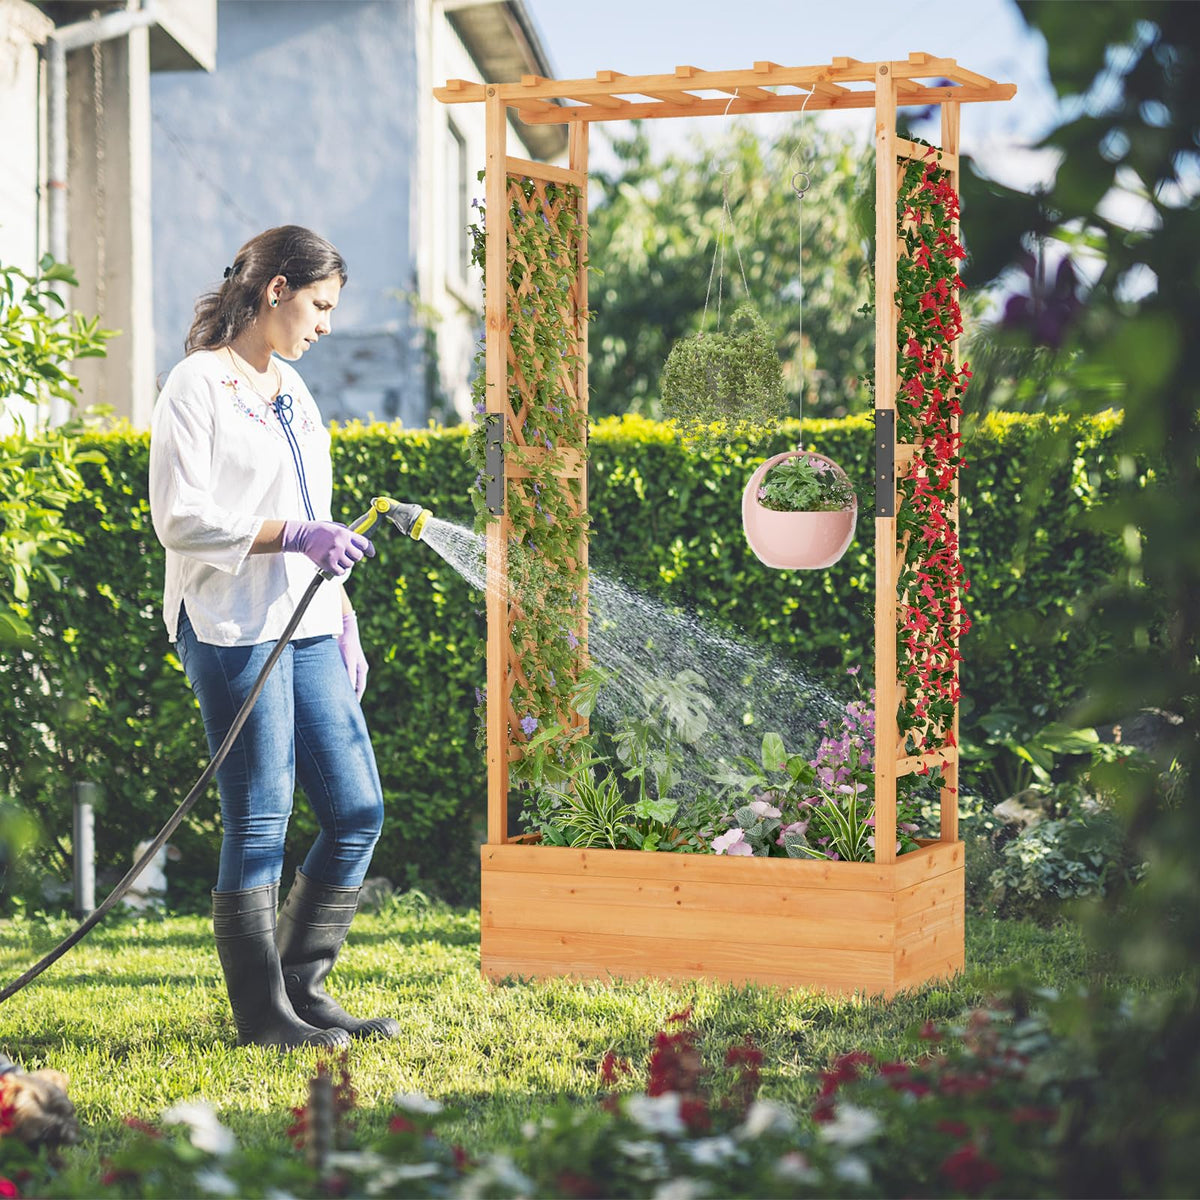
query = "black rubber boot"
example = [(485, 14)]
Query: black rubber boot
[(312, 927), (244, 926)]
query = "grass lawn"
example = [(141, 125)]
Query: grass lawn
[(138, 1019)]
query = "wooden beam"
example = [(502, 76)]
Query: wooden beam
[(577, 156), (541, 170), (786, 102), (950, 774), (496, 366), (886, 686)]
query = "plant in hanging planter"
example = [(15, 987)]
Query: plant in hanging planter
[(799, 511), (805, 483), (717, 386)]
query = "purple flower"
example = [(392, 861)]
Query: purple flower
[(480, 695), (853, 670), (762, 493), (528, 725), (572, 640), (800, 827)]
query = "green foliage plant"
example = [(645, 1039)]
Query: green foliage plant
[(819, 808), (805, 483), (725, 384), (39, 466)]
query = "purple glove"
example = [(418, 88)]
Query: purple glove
[(334, 548), (352, 654)]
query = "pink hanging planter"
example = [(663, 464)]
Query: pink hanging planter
[(796, 541)]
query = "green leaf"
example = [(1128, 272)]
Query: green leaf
[(774, 757)]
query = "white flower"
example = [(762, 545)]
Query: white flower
[(681, 1189), (851, 1126), (794, 1167), (497, 1174), (205, 1132), (416, 1102), (215, 1183), (853, 1170), (765, 1116), (639, 1150), (712, 1152), (656, 1114)]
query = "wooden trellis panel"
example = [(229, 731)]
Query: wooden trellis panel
[(518, 188)]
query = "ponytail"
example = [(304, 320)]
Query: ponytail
[(299, 255)]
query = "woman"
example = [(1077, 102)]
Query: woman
[(240, 491)]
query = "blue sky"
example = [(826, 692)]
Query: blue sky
[(652, 36)]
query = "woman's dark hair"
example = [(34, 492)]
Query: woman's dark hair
[(299, 255)]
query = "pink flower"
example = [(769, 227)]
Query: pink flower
[(761, 808), (732, 842)]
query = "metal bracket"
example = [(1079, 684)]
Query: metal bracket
[(493, 463), (885, 462)]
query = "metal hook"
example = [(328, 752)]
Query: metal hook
[(801, 188)]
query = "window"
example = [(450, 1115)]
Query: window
[(458, 211)]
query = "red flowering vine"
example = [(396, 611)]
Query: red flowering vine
[(928, 405)]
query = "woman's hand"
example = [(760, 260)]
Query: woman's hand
[(352, 654), (334, 548)]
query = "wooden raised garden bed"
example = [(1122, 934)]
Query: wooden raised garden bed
[(839, 926)]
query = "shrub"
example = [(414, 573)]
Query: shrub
[(101, 697)]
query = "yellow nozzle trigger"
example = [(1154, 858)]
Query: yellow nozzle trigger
[(368, 519)]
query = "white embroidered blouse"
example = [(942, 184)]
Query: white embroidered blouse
[(222, 462)]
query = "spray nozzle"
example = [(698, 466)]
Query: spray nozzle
[(408, 518)]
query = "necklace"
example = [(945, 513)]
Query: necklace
[(251, 375)]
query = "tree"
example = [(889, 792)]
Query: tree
[(1128, 75), (652, 239), (39, 473)]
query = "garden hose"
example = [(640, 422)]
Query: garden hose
[(410, 519)]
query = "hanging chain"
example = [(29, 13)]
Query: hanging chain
[(801, 182), (719, 247)]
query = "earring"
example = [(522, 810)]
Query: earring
[(274, 303)]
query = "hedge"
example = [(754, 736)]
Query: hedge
[(102, 697)]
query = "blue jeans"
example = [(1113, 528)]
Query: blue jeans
[(307, 724)]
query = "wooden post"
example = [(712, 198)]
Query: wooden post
[(577, 160), (950, 774), (496, 342), (886, 691)]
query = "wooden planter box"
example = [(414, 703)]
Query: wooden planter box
[(839, 927)]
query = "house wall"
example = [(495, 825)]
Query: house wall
[(22, 113), (310, 118), (452, 151)]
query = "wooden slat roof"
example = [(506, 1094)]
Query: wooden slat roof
[(922, 79)]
